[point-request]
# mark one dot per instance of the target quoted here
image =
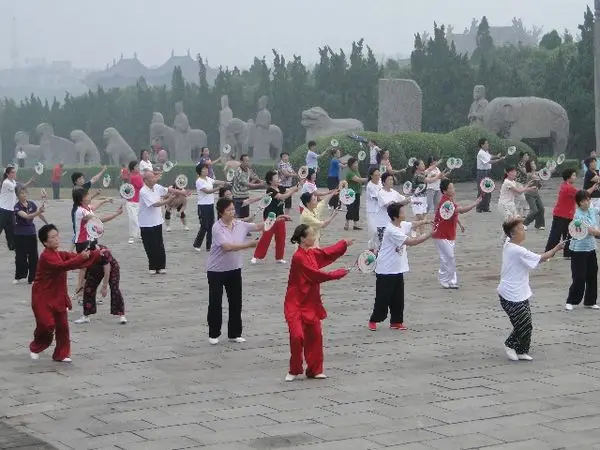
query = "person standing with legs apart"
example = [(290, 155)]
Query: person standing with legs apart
[(49, 298), (26, 254), (584, 263), (514, 290), (534, 199), (355, 182), (392, 264), (278, 229), (153, 197), (8, 198), (372, 194), (57, 174), (243, 181), (433, 172), (333, 176), (303, 307), (224, 270), (484, 167), (564, 210), (133, 205), (444, 234), (286, 178), (386, 196), (205, 188)]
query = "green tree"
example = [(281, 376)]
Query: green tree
[(551, 40)]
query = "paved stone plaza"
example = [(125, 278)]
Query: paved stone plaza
[(445, 384)]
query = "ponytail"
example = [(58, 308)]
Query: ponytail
[(7, 171)]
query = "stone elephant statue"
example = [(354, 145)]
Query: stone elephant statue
[(86, 152), (117, 149), (318, 123), (517, 118)]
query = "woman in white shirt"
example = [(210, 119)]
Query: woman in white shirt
[(373, 188), (145, 163), (205, 188), (8, 199), (385, 197), (509, 192), (514, 290), (434, 194)]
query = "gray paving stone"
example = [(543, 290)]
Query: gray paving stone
[(444, 383)]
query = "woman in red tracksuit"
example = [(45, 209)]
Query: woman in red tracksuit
[(279, 197), (303, 308)]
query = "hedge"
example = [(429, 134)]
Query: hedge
[(460, 143)]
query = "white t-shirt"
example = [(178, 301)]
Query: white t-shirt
[(507, 195), (373, 154), (145, 165), (21, 154), (312, 160), (81, 213), (203, 197), (384, 198), (8, 197), (436, 184), (392, 257), (517, 261), (372, 197), (483, 160), (151, 216)]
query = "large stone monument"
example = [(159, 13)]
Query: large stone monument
[(86, 152), (597, 70), (188, 142), (265, 142), (318, 123), (55, 149), (400, 106), (34, 152), (528, 117), (478, 106), (118, 150), (225, 116)]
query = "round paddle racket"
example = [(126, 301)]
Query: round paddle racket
[(347, 196), (94, 228), (560, 159), (447, 210), (127, 191), (407, 187), (181, 181), (365, 263), (106, 180), (39, 168), (511, 150), (230, 175), (578, 229), (362, 155), (551, 165), (270, 221), (487, 185)]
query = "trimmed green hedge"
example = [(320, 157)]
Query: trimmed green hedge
[(460, 143)]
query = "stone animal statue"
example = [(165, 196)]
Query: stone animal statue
[(516, 118), (86, 152), (34, 152), (55, 149), (240, 137), (118, 151), (318, 123), (161, 133)]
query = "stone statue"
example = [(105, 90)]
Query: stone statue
[(478, 106), (55, 149), (261, 143), (34, 152), (86, 152), (188, 142), (251, 127), (528, 117), (400, 106), (240, 135), (118, 151), (318, 123), (160, 133), (225, 116)]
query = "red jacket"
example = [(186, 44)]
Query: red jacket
[(49, 287), (303, 295)]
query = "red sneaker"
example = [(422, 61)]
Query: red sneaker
[(373, 326), (398, 326)]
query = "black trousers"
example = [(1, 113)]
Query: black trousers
[(353, 209), (389, 294), (206, 214), (485, 202), (333, 183), (241, 212), (584, 273), (7, 221), (559, 231), (26, 256), (152, 238), (56, 190), (519, 314), (232, 282)]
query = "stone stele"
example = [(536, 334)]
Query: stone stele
[(86, 152), (317, 123), (400, 106)]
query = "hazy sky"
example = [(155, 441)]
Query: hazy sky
[(91, 33)]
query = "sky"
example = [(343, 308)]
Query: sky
[(90, 33)]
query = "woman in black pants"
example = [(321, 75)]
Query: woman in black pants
[(8, 199), (205, 188), (333, 177)]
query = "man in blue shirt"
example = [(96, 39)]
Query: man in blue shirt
[(333, 176)]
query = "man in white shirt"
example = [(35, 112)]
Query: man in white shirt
[(392, 263), (484, 166), (21, 157), (312, 157), (373, 152), (152, 198)]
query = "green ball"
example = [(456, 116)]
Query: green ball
[(488, 184), (271, 215), (350, 193), (370, 259), (577, 223)]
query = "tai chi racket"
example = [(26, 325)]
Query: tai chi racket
[(230, 175), (270, 221), (347, 196), (544, 174), (365, 263), (578, 229), (560, 159), (487, 185), (38, 168), (447, 210), (106, 180), (94, 228), (181, 181), (303, 172), (264, 202), (127, 191), (511, 150), (551, 165), (362, 155), (407, 187)]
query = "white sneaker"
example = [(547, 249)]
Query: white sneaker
[(541, 228), (320, 376), (20, 281), (213, 341), (168, 229), (151, 272), (280, 261), (512, 355), (198, 249), (290, 377), (593, 307), (82, 319), (525, 357), (239, 340), (186, 228), (162, 271), (122, 320), (66, 360), (131, 241), (34, 356), (253, 261), (569, 307)]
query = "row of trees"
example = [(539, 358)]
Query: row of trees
[(560, 68)]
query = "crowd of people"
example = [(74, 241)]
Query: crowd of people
[(226, 226)]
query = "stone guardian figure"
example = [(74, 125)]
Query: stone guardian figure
[(181, 125), (261, 136), (225, 116), (478, 106)]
